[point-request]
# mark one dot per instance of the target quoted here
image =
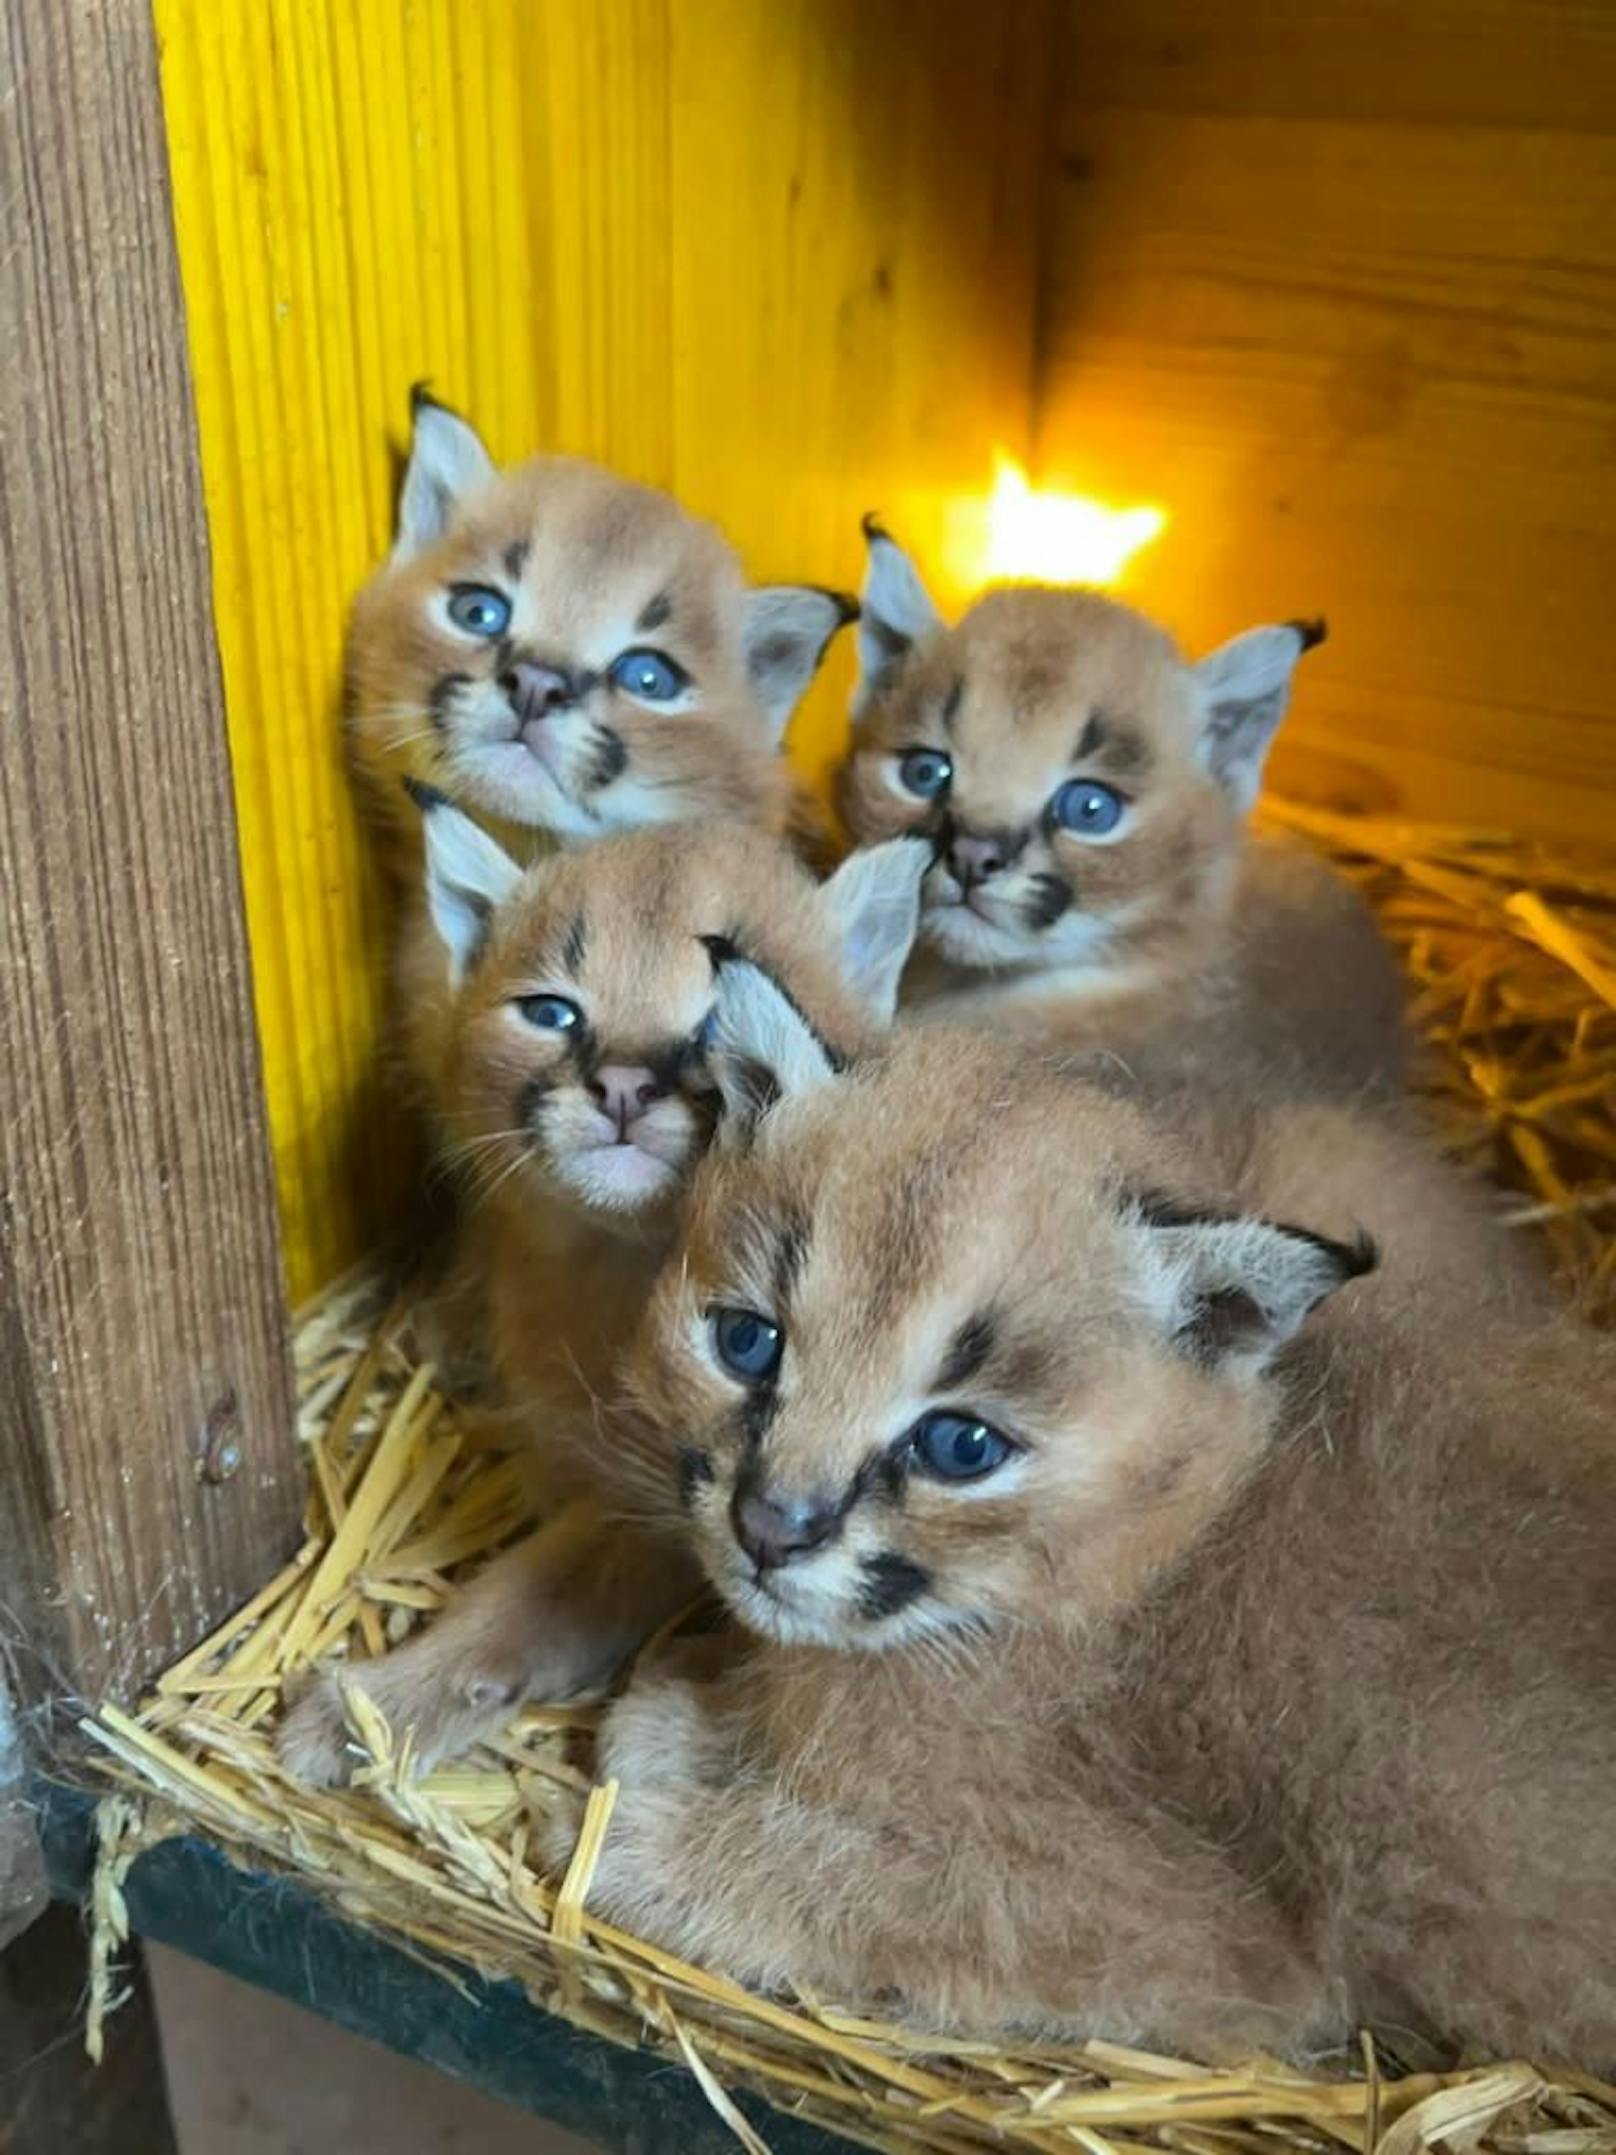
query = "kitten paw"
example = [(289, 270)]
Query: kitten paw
[(315, 1744)]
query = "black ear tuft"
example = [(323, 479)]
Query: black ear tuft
[(422, 399), (844, 602), (723, 950), (1355, 1258), (872, 527), (1312, 633), (426, 797)]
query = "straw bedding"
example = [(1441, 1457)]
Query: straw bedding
[(1512, 953)]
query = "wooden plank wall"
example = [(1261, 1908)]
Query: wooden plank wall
[(1334, 281), (149, 1470), (776, 254)]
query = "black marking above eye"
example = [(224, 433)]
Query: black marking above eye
[(888, 1583), (515, 558), (575, 943), (967, 1351), (951, 704), (655, 614)]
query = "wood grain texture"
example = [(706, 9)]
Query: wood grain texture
[(140, 1285), (1337, 286), (775, 254)]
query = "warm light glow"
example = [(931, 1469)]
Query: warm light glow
[(1057, 537)]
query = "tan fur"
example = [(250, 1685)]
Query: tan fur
[(1178, 921), (598, 551), (565, 1230), (1265, 1693)]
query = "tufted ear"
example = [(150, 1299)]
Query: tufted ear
[(895, 613), (447, 463), (786, 632), (1231, 1291), (1246, 687), (467, 876), (871, 910), (761, 1048)]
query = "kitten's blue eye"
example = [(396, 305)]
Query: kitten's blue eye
[(957, 1447), (649, 675), (926, 772), (479, 609), (1087, 808), (748, 1345), (551, 1013)]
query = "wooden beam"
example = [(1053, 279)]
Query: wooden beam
[(150, 1470)]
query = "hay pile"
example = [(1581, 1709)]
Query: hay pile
[(1513, 956)]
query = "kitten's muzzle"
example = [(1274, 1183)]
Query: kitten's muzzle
[(773, 1531), (625, 1091), (537, 691)]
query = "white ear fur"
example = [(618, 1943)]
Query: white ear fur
[(1231, 1292), (871, 909), (762, 1049), (786, 632), (447, 462), (895, 613), (1245, 686), (467, 876)]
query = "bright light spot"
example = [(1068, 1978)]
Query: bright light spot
[(1060, 538)]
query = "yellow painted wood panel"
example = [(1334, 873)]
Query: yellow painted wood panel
[(1366, 358), (776, 254)]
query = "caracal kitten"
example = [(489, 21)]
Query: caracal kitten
[(575, 1098), (1166, 1625), (1087, 793), (565, 654)]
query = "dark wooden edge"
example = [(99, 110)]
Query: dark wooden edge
[(272, 1931)]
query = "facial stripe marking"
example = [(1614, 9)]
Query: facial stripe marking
[(575, 944), (610, 760), (444, 691), (791, 1254), (695, 1469), (888, 1583), (655, 614), (515, 558), (1111, 747), (968, 1350), (1049, 901), (951, 704)]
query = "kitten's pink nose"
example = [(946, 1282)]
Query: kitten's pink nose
[(535, 691), (773, 1531), (974, 860), (625, 1091)]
